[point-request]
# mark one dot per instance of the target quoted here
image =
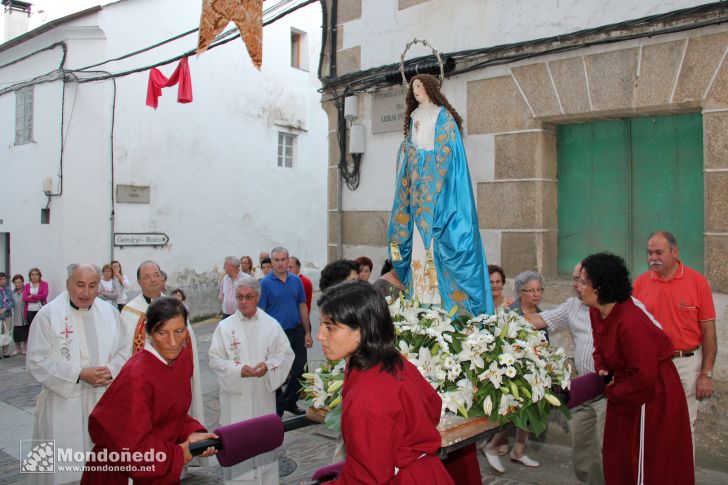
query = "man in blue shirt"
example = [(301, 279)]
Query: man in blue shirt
[(282, 297)]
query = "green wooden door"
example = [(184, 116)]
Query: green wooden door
[(620, 180)]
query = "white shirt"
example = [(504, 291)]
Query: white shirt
[(574, 314), (35, 306), (227, 292)]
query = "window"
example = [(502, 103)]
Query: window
[(299, 49), (24, 115), (286, 143)]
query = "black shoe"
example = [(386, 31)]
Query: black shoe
[(296, 410)]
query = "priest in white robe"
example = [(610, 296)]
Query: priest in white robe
[(251, 356), (133, 320), (75, 349)]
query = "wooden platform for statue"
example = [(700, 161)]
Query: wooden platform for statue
[(455, 431)]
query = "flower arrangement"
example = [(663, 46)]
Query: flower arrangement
[(497, 366)]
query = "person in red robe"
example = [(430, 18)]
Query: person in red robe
[(390, 412), (647, 438), (140, 427)]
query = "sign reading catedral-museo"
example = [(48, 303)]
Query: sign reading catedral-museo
[(140, 239)]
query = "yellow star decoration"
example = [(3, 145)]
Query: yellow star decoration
[(246, 14)]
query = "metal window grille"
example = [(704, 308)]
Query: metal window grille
[(24, 115)]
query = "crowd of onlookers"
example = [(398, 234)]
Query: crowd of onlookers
[(20, 304), (22, 300), (276, 291)]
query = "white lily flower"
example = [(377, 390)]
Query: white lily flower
[(488, 405), (508, 404), (506, 359), (493, 374)]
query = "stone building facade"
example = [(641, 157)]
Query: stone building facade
[(588, 63)]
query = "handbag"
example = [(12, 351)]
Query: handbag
[(5, 338)]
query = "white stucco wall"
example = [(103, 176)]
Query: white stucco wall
[(453, 25), (211, 164)]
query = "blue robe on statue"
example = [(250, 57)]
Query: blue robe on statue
[(433, 192)]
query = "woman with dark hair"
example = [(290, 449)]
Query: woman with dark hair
[(497, 283), (365, 267), (338, 271), (246, 265), (180, 295), (388, 283), (124, 285), (35, 294), (390, 412), (109, 287), (145, 410), (647, 437)]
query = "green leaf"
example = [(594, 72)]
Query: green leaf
[(333, 420), (463, 412)]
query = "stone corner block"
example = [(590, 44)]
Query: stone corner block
[(612, 77), (716, 262), (716, 201), (536, 84), (496, 105), (348, 60)]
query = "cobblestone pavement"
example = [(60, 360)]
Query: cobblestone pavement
[(308, 448)]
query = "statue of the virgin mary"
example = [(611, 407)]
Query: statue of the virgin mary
[(434, 240)]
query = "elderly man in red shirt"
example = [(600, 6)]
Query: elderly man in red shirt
[(680, 299)]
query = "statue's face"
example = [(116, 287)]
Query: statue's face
[(419, 91)]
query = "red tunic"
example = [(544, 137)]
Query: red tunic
[(390, 422), (144, 409), (639, 354)]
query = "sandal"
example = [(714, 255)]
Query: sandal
[(494, 462), (524, 460)]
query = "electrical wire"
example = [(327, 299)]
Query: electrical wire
[(220, 40), (193, 51), (179, 36), (475, 59), (141, 51)]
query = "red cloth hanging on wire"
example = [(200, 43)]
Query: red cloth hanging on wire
[(157, 81)]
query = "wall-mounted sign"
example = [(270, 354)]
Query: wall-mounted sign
[(140, 239), (133, 194), (388, 107)]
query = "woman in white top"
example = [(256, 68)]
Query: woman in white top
[(109, 287), (123, 283)]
